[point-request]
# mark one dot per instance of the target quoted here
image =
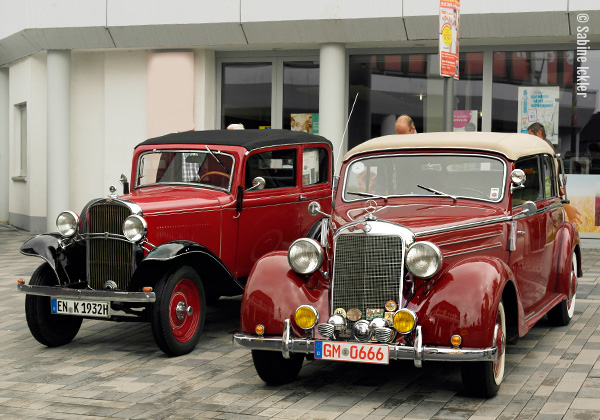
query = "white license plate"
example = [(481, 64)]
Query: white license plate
[(352, 352), (80, 308)]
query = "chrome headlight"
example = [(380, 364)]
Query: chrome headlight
[(135, 228), (423, 259), (305, 256), (67, 223)]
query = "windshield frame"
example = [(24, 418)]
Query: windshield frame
[(421, 154), (193, 184)]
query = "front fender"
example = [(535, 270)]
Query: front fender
[(463, 301), (66, 261), (274, 292)]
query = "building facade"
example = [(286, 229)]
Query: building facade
[(83, 81)]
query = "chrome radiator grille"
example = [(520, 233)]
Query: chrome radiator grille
[(108, 259), (367, 271)]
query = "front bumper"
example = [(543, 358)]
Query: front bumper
[(87, 294), (289, 344)]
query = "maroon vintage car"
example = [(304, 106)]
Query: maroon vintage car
[(203, 208), (441, 246)]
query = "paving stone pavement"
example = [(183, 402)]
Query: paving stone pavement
[(115, 371)]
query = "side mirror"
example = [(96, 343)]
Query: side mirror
[(258, 183), (314, 209), (529, 207), (517, 178), (125, 183)]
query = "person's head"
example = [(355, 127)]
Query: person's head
[(537, 129), (405, 125)]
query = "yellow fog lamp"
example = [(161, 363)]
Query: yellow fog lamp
[(405, 321), (456, 340), (306, 317), (259, 329)]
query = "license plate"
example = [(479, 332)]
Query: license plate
[(80, 308), (352, 352)]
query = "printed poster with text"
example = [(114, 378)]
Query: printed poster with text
[(465, 120), (539, 104), (449, 34)]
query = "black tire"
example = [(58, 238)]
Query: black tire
[(274, 369), (49, 329), (177, 332), (483, 379), (561, 314)]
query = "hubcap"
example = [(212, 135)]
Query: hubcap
[(500, 345)]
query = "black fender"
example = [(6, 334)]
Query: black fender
[(216, 277), (67, 259)]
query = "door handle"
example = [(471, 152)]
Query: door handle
[(301, 198)]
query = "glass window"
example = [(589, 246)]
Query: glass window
[(315, 166), (469, 88), (549, 177), (301, 96), (246, 94), (276, 167), (23, 138), (532, 190)]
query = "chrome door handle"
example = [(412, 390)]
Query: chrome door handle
[(301, 198)]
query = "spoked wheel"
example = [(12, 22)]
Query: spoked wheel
[(179, 311), (274, 369), (483, 379), (562, 313), (49, 329)]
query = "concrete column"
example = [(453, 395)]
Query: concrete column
[(332, 97), (487, 92), (4, 160), (59, 134)]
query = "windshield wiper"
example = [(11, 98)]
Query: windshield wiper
[(436, 192), (217, 159), (365, 194)]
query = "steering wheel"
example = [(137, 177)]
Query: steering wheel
[(472, 190), (223, 174)]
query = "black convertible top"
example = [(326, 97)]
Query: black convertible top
[(249, 139)]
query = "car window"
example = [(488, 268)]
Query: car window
[(277, 167), (534, 185), (315, 166), (466, 176), (187, 167), (549, 177)]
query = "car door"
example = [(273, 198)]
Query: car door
[(531, 261)]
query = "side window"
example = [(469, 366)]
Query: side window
[(315, 166), (277, 167), (534, 184), (549, 177)]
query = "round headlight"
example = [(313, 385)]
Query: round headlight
[(423, 259), (306, 317), (67, 223), (405, 321), (305, 256), (134, 228)]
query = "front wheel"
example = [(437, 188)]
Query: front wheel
[(49, 329), (483, 379), (562, 313), (274, 369), (179, 311)]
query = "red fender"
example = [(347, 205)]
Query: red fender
[(274, 292), (464, 301), (563, 254)]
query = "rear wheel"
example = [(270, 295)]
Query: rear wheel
[(49, 329), (483, 379), (274, 369), (179, 311), (562, 313)]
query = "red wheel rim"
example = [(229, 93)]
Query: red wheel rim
[(184, 328), (501, 346)]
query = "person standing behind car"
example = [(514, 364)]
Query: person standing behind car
[(538, 130), (405, 125)]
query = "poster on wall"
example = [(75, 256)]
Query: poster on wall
[(539, 104), (309, 123), (448, 37), (584, 207), (465, 120)]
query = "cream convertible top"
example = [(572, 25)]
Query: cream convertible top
[(511, 145)]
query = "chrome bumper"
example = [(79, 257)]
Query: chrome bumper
[(86, 294), (288, 344)]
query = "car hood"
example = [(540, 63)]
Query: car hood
[(421, 217), (175, 199)]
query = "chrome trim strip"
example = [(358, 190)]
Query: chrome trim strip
[(397, 352), (535, 313), (478, 238), (86, 294), (464, 226), (448, 255)]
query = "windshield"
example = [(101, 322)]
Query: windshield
[(465, 176), (195, 167)]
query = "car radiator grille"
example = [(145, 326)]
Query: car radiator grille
[(108, 259), (367, 271)]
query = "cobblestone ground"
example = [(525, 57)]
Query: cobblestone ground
[(115, 371)]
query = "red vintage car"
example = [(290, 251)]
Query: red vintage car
[(203, 208), (440, 246)]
